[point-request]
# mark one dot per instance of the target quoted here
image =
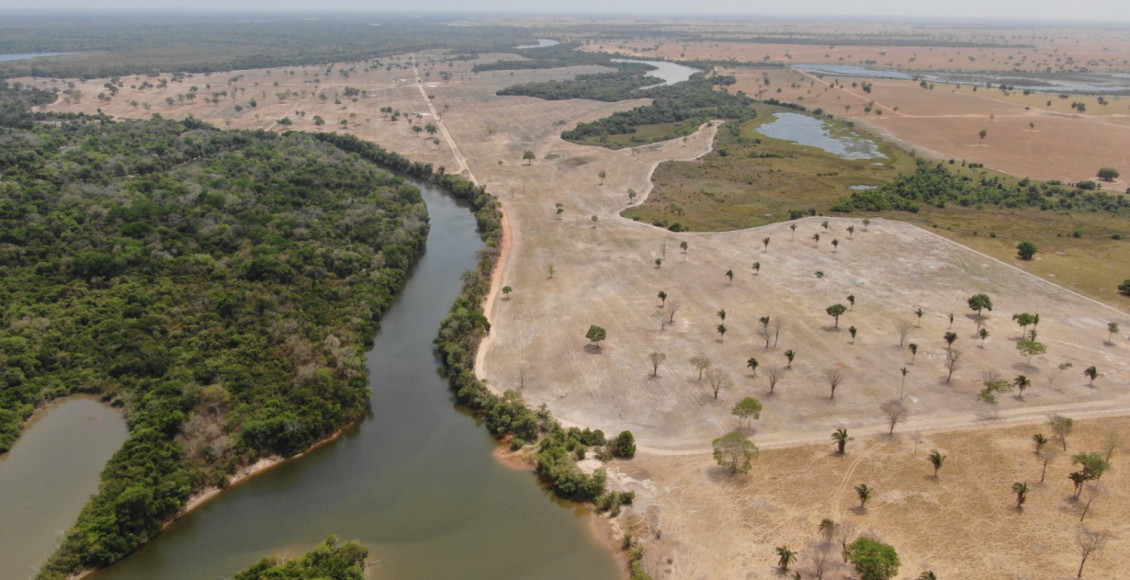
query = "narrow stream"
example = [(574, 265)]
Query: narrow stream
[(49, 474), (415, 483)]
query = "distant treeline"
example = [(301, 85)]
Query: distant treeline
[(542, 57), (934, 184), (127, 44), (609, 87)]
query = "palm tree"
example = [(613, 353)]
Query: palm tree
[(1021, 490), (827, 529), (864, 494), (1091, 373), (913, 351), (936, 459), (1022, 382), (949, 337), (722, 332), (757, 268), (851, 232), (841, 437), (851, 300), (790, 355), (431, 128), (730, 275), (919, 314), (752, 364), (793, 228), (1040, 441), (816, 238), (785, 556), (765, 241), (983, 333)]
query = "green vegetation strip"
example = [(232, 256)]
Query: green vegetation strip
[(332, 560)]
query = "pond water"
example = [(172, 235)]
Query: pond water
[(542, 43), (670, 72), (47, 477), (415, 482), (29, 55), (814, 132)]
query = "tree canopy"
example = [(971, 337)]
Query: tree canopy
[(873, 560)]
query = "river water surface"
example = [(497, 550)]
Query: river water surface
[(415, 482), (49, 474)]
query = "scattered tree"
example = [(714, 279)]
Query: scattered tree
[(1112, 329), (1124, 287), (1061, 426), (765, 242), (983, 134), (840, 436), (866, 222), (528, 156), (873, 560), (659, 262), (1024, 319), (896, 413), (904, 327), (624, 445), (735, 452), (596, 334), (730, 275), (790, 355), (864, 493), (825, 225), (602, 174), (683, 247), (1021, 490), (1025, 250), (949, 337), (594, 219), (1040, 441), (718, 380), (979, 302), (757, 268), (835, 245), (746, 410), (773, 373), (902, 385), (1048, 454), (792, 227), (936, 460), (852, 330), (1089, 541), (722, 332), (835, 311), (752, 364), (816, 238), (1021, 382), (1091, 373), (701, 363), (785, 556), (1111, 442), (919, 314), (662, 298), (506, 290), (1030, 348), (851, 232), (953, 360), (656, 359), (851, 300), (1108, 174), (983, 333), (834, 378), (913, 351)]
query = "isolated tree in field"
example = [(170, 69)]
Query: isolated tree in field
[(1124, 287), (752, 364), (559, 211), (835, 245), (1048, 454), (1025, 250), (718, 380), (896, 413), (936, 460), (983, 134), (1061, 426), (834, 377), (851, 300), (919, 312), (951, 320), (979, 302), (1112, 329), (594, 219), (1029, 349), (1040, 440), (1096, 490), (866, 222), (1089, 541), (662, 298), (827, 528), (1021, 382), (953, 360), (701, 363), (864, 493), (904, 327), (683, 247), (671, 308), (757, 268), (730, 275), (735, 452), (431, 128), (792, 227), (993, 384), (773, 374), (1108, 174), (659, 262), (983, 333), (949, 337), (902, 385), (852, 331), (765, 242), (851, 232), (1091, 373), (1111, 442), (816, 238), (632, 197), (840, 436), (528, 156), (1025, 320), (913, 351), (746, 410), (824, 224), (1021, 490), (602, 174), (596, 334), (836, 311), (506, 290), (722, 332), (656, 359), (789, 356), (873, 560), (785, 556)]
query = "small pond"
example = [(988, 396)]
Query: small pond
[(542, 43), (670, 72), (814, 132)]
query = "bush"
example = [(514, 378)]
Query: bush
[(624, 445), (1124, 287)]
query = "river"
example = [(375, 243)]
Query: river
[(416, 482), (49, 474)]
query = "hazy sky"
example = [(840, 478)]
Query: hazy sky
[(1088, 10)]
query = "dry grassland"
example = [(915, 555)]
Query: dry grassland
[(604, 273)]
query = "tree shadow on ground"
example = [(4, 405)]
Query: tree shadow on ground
[(592, 348)]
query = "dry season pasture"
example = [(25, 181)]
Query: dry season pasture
[(588, 266)]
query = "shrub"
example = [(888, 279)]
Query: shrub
[(624, 445)]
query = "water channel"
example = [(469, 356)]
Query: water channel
[(49, 474), (415, 482)]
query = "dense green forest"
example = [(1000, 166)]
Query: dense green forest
[(331, 560), (220, 286), (609, 87), (933, 183), (696, 99), (119, 44)]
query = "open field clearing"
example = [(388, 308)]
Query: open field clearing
[(568, 271)]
